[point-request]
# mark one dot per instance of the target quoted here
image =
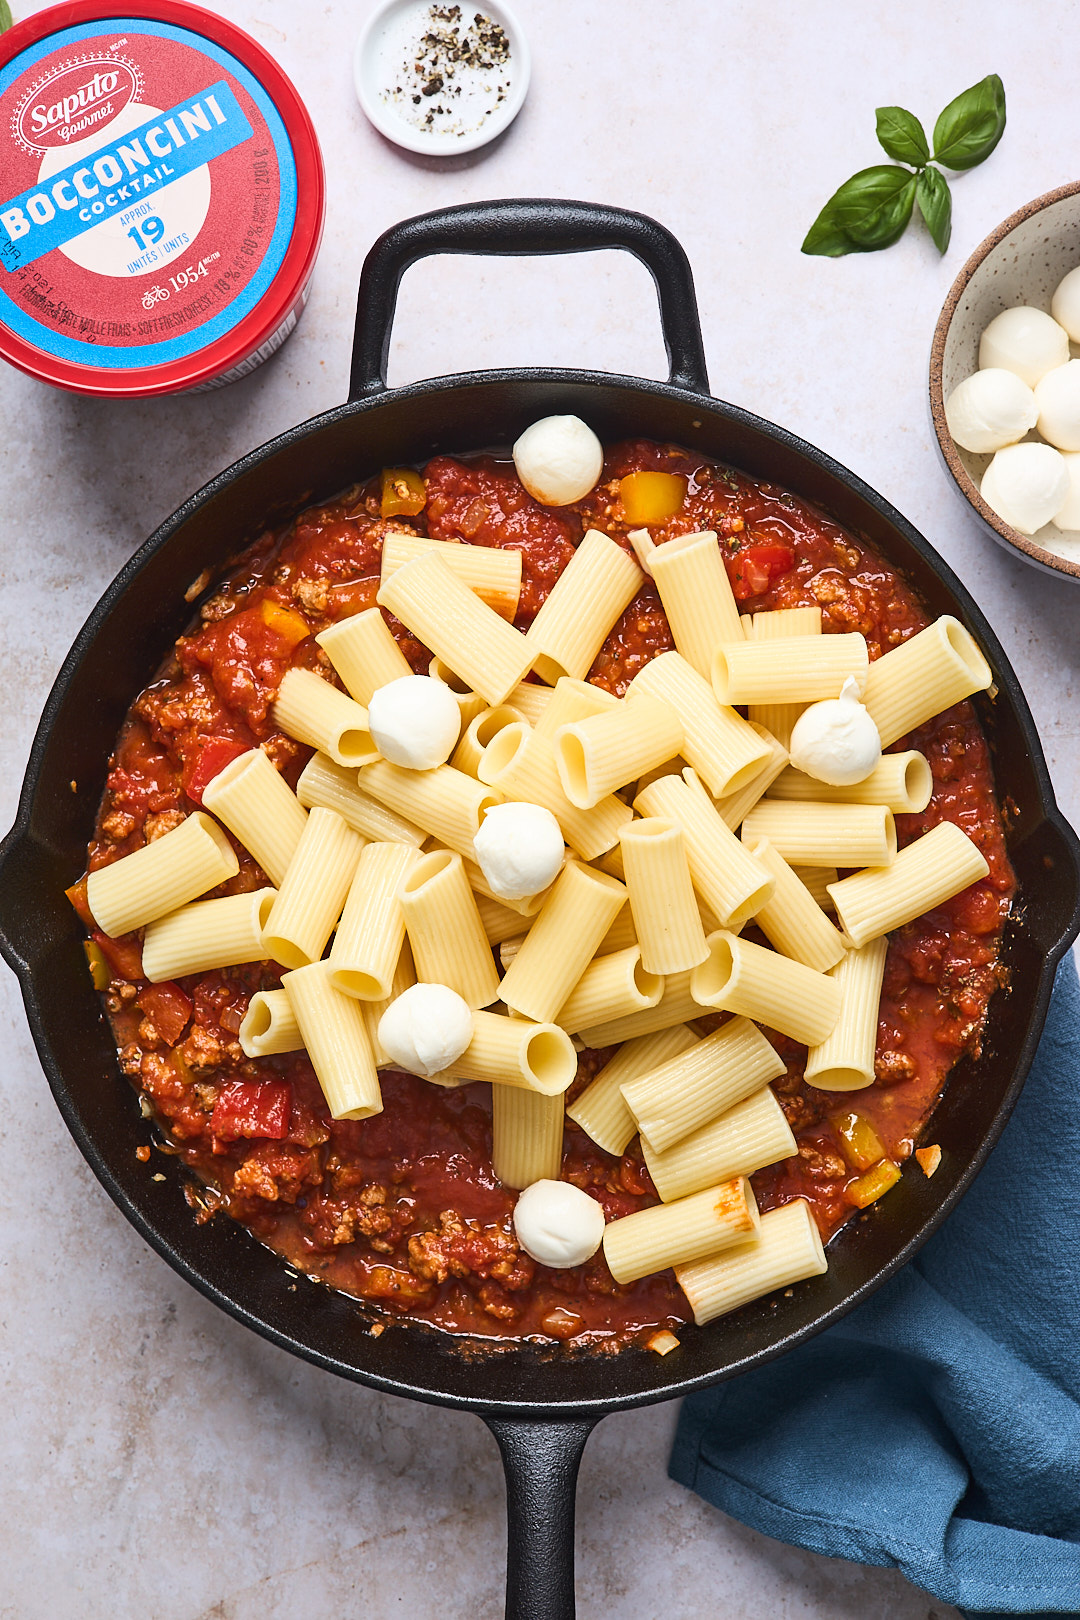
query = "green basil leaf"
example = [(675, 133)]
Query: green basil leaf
[(971, 126), (826, 239), (935, 205), (5, 16), (873, 207), (902, 136)]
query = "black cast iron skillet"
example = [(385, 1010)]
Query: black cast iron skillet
[(540, 1405)]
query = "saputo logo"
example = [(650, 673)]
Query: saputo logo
[(75, 99)]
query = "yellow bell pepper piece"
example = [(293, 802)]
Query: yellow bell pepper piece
[(874, 1184), (859, 1141), (100, 971), (650, 497), (290, 626), (403, 492)]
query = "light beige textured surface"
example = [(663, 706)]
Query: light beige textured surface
[(679, 111)]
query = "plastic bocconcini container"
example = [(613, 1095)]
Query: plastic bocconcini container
[(161, 199)]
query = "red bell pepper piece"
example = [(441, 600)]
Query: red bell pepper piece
[(123, 955), (213, 756), (252, 1108), (753, 569), (168, 1009)]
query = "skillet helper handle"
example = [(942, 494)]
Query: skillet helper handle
[(541, 1459), (526, 226)]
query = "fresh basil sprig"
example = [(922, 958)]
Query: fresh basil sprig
[(872, 209), (5, 16)]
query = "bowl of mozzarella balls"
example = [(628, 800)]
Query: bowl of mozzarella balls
[(1005, 382)]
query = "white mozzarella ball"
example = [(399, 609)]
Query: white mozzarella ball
[(520, 849), (990, 409), (836, 741), (1025, 341), (559, 459), (1069, 515), (1065, 304), (558, 1224), (426, 1028), (414, 721), (1027, 485), (1058, 398)]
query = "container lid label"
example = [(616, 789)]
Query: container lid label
[(147, 193)]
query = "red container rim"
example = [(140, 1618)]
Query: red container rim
[(285, 293)]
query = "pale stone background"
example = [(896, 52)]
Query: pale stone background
[(145, 1437)]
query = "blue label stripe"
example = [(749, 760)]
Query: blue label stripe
[(70, 203), (100, 355)]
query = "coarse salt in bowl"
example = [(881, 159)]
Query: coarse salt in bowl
[(161, 199), (441, 79)]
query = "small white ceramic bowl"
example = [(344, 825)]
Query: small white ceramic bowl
[(1021, 262), (474, 117)]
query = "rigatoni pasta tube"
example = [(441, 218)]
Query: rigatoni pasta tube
[(792, 920), (479, 732), (748, 1137), (334, 788), (364, 653), (209, 934), (448, 942), (601, 1109), (598, 582), (311, 710), (793, 669), (337, 1042), (597, 755), (610, 987), (675, 1234), (815, 834), (845, 1061), (313, 890), (404, 979), (779, 718), (526, 1135), (786, 1250), (364, 956), (486, 652), (694, 587), (622, 933), (731, 882), (930, 870), (666, 917), (687, 1091), (930, 672), (817, 879), (500, 922), (581, 906), (675, 1006), (165, 874), (491, 572), (903, 783), (572, 700), (531, 699), (735, 807), (444, 801), (469, 703), (516, 1052), (721, 746), (760, 984), (257, 805), (269, 1025), (520, 764)]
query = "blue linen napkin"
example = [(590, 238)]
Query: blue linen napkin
[(936, 1430)]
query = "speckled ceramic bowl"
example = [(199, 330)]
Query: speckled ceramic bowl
[(1021, 262)]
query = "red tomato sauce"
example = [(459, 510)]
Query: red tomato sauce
[(404, 1210)]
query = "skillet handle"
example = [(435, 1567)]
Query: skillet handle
[(541, 1459), (526, 226)]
